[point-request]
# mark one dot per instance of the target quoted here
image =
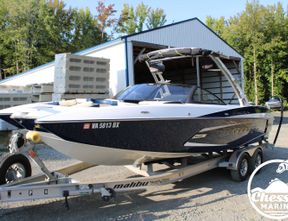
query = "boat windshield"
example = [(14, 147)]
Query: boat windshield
[(155, 92), (176, 93)]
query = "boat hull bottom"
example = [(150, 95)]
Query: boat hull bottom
[(103, 155)]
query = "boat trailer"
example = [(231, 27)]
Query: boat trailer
[(19, 185)]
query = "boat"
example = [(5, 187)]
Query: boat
[(160, 120), (157, 121)]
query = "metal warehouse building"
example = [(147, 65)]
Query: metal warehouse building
[(123, 52)]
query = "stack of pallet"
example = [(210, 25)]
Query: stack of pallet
[(42, 92), (13, 96), (80, 77)]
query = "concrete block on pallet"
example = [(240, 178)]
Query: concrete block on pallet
[(42, 88), (81, 74), (14, 99), (45, 97), (42, 97), (35, 98)]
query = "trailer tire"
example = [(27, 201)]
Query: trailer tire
[(108, 198), (20, 163), (256, 160), (242, 171)]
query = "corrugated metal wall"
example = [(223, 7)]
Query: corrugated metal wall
[(191, 33)]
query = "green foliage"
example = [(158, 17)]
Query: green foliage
[(142, 12), (260, 34), (127, 22), (33, 31), (156, 18), (133, 20), (217, 25)]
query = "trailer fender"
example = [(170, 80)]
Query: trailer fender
[(233, 160)]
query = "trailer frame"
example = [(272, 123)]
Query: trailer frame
[(58, 183)]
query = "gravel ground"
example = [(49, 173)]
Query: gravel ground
[(208, 196)]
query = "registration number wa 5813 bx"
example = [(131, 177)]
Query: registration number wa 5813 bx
[(101, 125)]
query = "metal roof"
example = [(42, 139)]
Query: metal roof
[(181, 22)]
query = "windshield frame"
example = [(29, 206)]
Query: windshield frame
[(152, 95), (158, 86)]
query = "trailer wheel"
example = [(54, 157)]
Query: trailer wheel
[(108, 198), (256, 160), (14, 167), (242, 171)]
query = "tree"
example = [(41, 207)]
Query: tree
[(142, 12), (86, 31), (33, 31), (133, 20), (260, 34), (217, 25), (127, 23), (274, 65), (156, 18), (105, 17), (17, 43)]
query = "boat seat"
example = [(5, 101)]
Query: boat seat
[(85, 104), (67, 103), (75, 102)]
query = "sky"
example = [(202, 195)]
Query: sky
[(179, 10)]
